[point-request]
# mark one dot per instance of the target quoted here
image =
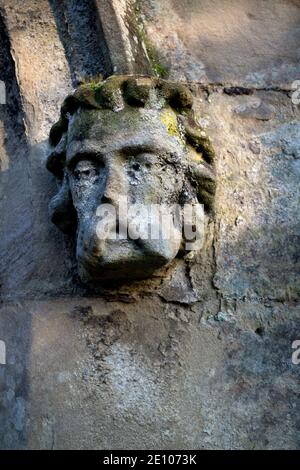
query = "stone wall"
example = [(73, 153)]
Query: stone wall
[(202, 359)]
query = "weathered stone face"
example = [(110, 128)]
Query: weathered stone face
[(125, 156), (128, 164), (203, 358)]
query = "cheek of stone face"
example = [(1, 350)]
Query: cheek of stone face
[(152, 181), (87, 182), (159, 187)]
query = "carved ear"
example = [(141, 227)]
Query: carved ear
[(203, 179), (61, 209)]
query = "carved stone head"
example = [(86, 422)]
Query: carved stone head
[(132, 138)]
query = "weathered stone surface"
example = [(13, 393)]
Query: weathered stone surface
[(233, 41), (42, 76), (202, 359), (175, 377), (258, 200), (15, 331), (127, 49)]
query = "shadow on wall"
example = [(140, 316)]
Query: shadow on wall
[(259, 244), (82, 36), (16, 334), (261, 382), (15, 322), (12, 130), (16, 220)]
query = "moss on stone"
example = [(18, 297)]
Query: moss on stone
[(159, 69), (137, 90), (110, 95), (179, 96), (101, 94)]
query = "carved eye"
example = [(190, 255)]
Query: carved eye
[(136, 166), (146, 160), (142, 161), (86, 170)]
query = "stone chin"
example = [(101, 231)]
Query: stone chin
[(123, 260), (117, 271)]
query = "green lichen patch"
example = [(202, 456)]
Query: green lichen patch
[(110, 95), (158, 69), (137, 90), (103, 94)]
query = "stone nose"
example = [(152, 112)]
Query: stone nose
[(116, 182)]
